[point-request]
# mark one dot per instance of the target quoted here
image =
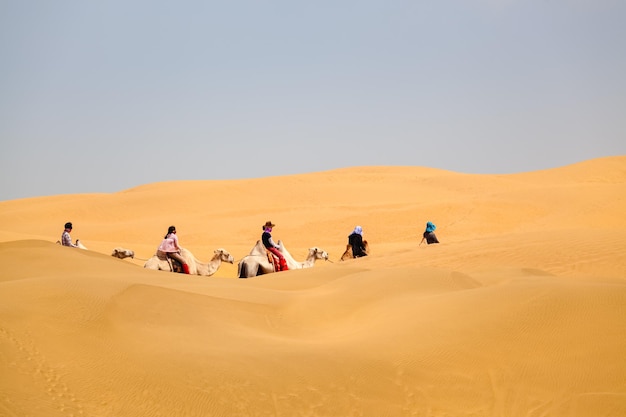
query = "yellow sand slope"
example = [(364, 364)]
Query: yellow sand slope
[(520, 311)]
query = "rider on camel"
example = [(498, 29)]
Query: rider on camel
[(269, 244), (169, 248)]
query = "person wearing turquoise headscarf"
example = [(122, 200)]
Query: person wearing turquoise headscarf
[(429, 234)]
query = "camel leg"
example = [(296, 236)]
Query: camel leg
[(347, 254)]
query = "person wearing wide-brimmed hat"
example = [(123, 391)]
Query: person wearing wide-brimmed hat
[(269, 244)]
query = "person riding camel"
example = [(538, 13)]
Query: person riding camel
[(269, 244), (429, 234), (169, 248), (66, 239), (356, 241)]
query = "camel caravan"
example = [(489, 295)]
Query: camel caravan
[(266, 256)]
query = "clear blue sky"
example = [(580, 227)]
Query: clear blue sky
[(101, 96)]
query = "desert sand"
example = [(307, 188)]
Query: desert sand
[(519, 311)]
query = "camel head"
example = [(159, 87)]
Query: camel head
[(318, 253), (123, 253), (224, 256)]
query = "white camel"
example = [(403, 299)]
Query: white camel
[(123, 253), (258, 263), (195, 266), (78, 244)]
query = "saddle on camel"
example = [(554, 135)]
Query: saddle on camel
[(275, 261), (175, 264)]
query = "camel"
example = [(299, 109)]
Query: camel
[(78, 244), (195, 266), (123, 253), (348, 253), (257, 262)]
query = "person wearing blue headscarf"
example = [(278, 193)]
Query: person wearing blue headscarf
[(429, 234), (356, 241)]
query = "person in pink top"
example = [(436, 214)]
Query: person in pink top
[(169, 248)]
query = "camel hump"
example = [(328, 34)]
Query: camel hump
[(258, 249)]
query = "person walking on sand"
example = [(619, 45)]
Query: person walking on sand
[(269, 244), (356, 241), (429, 234), (169, 248), (66, 239)]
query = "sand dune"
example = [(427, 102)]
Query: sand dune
[(520, 311)]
